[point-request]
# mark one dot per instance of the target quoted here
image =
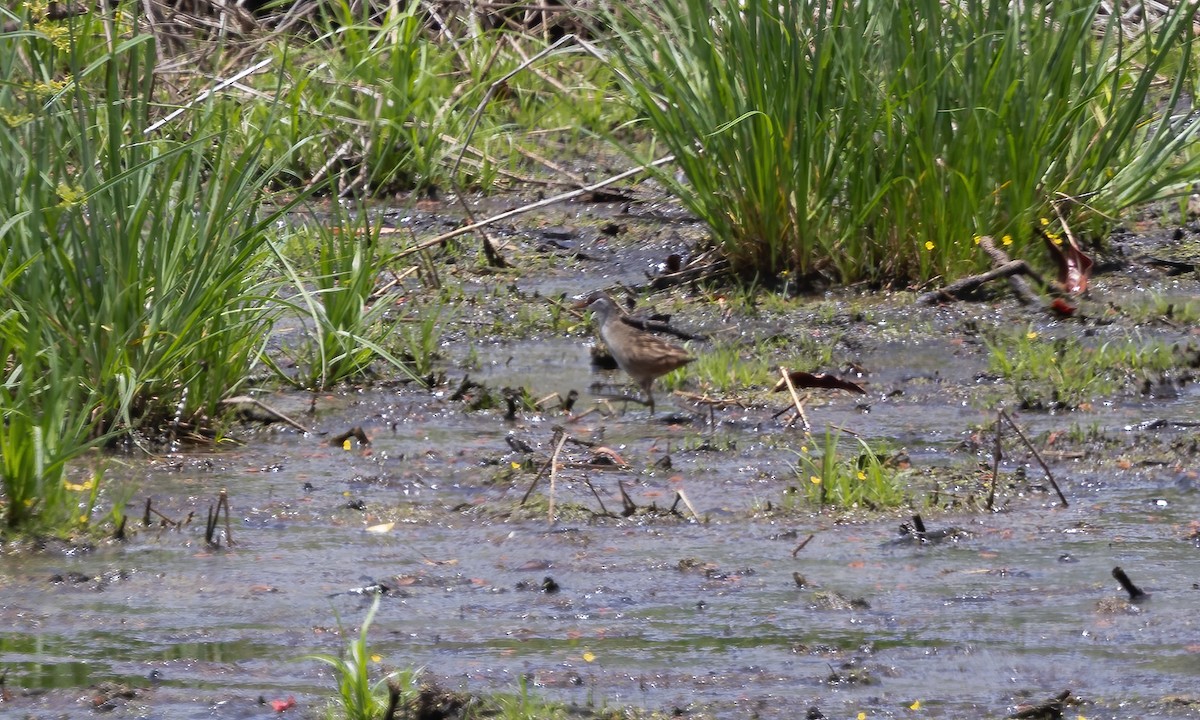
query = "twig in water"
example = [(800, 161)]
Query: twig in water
[(995, 466), (393, 700), (588, 481), (688, 503), (1135, 593), (228, 530), (787, 378), (1049, 476), (629, 507), (166, 520), (270, 411), (562, 439), (801, 545), (557, 432)]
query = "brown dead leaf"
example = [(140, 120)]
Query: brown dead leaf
[(802, 379), (1074, 265)]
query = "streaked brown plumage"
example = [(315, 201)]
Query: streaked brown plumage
[(641, 355)]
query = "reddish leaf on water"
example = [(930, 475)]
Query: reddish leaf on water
[(821, 380), (281, 705), (1062, 307), (1074, 266)]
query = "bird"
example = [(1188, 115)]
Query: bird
[(641, 355)]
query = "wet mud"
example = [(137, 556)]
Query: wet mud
[(711, 604)]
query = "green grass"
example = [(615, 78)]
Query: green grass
[(1061, 373), (358, 697), (349, 328), (831, 478), (873, 141), (134, 267)]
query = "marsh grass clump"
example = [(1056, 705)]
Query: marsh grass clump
[(833, 478), (350, 325), (874, 141), (358, 696), (133, 267), (1060, 373), (399, 693)]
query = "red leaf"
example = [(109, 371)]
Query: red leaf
[(1062, 307), (1074, 266), (281, 705)]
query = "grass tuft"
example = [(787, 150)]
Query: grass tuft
[(874, 141)]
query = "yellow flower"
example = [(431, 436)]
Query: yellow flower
[(70, 194), (862, 716), (376, 657), (84, 487), (815, 480), (15, 120), (50, 87), (1007, 239), (978, 239), (1031, 335), (928, 244), (862, 475), (589, 656), (57, 33), (915, 706)]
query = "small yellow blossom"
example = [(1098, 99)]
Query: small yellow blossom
[(515, 465), (804, 449), (978, 239), (862, 475), (1007, 239), (38, 9), (862, 716), (82, 487), (70, 195), (928, 244), (376, 658), (346, 444), (589, 656), (1031, 335), (15, 120), (915, 706), (56, 33), (1045, 222), (815, 480), (50, 87)]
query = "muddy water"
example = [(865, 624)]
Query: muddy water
[(656, 611)]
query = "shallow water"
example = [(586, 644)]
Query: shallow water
[(656, 611)]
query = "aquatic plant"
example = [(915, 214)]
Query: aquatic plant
[(858, 481), (874, 140), (45, 422), (358, 698), (348, 325), (1048, 372), (132, 265)]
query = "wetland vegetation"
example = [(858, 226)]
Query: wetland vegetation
[(214, 219)]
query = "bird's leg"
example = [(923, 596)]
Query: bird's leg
[(649, 395)]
